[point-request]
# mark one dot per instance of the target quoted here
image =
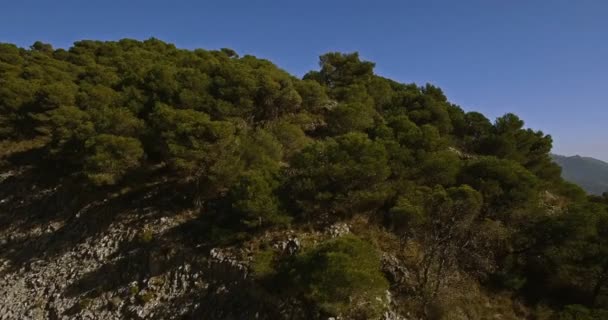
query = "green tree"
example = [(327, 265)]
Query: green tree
[(260, 150), (504, 184), (111, 157), (198, 148), (16, 98), (475, 130), (334, 177), (445, 222), (349, 117), (313, 95), (342, 276), (291, 136), (440, 168), (70, 128), (339, 70), (254, 200)]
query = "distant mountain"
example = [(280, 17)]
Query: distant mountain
[(589, 173)]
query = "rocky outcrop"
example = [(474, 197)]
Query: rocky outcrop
[(110, 275), (338, 230), (113, 257), (127, 256)]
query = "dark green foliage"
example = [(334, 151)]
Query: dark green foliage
[(290, 135), (473, 130), (439, 168), (70, 129), (342, 276), (263, 264), (111, 157), (255, 149), (261, 150), (578, 312), (408, 213), (313, 95), (341, 70), (349, 117), (195, 145), (504, 184), (445, 222), (254, 201), (333, 177)]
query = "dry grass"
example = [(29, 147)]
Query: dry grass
[(10, 147)]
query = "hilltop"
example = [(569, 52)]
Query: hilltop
[(139, 180)]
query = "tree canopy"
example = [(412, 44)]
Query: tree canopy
[(260, 149)]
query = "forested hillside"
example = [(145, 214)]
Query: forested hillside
[(432, 212), (591, 174)]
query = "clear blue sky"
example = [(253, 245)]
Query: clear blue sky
[(546, 61)]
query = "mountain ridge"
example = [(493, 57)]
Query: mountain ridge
[(143, 181), (590, 173)]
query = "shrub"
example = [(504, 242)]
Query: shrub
[(263, 264), (578, 312), (342, 277), (111, 158), (254, 202), (146, 236)]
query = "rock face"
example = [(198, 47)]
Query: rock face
[(65, 255), (122, 257), (338, 230), (107, 275)]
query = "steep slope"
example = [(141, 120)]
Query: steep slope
[(113, 257), (589, 173), (143, 181)]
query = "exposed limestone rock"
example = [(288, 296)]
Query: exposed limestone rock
[(394, 269), (126, 258), (338, 230), (290, 246)]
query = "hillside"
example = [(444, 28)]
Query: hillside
[(589, 173), (143, 181)]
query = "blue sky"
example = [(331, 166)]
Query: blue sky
[(546, 61)]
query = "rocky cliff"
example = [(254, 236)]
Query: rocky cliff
[(67, 255), (64, 255)]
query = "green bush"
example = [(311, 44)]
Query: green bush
[(342, 277), (263, 264), (111, 157), (578, 312), (146, 236), (334, 175)]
